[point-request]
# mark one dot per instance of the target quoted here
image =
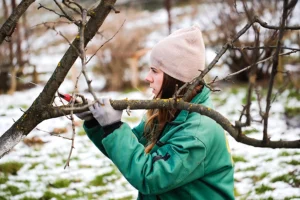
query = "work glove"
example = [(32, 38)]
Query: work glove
[(85, 115), (104, 113)]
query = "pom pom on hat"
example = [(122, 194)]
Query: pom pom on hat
[(181, 55)]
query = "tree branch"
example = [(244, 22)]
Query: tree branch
[(274, 72), (228, 45), (180, 104), (8, 27)]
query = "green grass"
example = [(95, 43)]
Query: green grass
[(238, 159), (53, 155), (269, 159), (29, 198), (294, 94), (11, 167), (293, 162), (236, 193), (124, 198), (291, 112), (24, 106), (284, 154), (292, 197), (61, 183), (290, 178), (249, 131), (102, 192), (10, 107), (13, 190), (50, 195), (253, 168), (234, 91), (3, 179), (218, 100), (262, 189), (260, 177), (81, 132), (244, 100), (84, 166), (100, 180), (26, 182), (33, 165)]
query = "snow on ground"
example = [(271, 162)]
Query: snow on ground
[(260, 173)]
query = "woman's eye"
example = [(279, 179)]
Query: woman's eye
[(153, 70)]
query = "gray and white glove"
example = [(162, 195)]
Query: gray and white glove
[(104, 113), (85, 115)]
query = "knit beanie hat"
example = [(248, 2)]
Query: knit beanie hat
[(181, 55)]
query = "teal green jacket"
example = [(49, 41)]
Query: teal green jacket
[(191, 160)]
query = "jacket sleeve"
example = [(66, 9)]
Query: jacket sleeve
[(167, 168), (95, 134)]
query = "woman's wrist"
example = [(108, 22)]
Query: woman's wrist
[(110, 128), (91, 123)]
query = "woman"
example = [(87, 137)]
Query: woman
[(171, 154)]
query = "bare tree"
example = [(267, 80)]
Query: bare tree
[(42, 107)]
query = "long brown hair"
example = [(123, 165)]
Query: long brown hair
[(157, 118)]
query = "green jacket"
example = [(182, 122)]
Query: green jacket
[(191, 160)]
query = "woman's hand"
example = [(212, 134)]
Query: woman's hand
[(104, 113), (86, 115)]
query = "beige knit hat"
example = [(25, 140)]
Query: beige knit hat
[(181, 54)]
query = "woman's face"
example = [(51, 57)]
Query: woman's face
[(155, 78)]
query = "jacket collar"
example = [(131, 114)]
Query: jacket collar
[(200, 98)]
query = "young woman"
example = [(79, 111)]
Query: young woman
[(171, 154)]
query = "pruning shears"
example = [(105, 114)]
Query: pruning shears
[(68, 98)]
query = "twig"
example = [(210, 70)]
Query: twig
[(248, 67), (265, 25), (53, 134), (262, 47), (70, 18), (106, 42), (274, 72), (113, 8), (228, 45), (57, 22), (72, 8), (82, 56), (62, 35), (284, 86), (259, 102)]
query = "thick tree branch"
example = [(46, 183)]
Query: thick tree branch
[(8, 27), (180, 104)]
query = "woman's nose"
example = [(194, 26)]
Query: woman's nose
[(148, 78)]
